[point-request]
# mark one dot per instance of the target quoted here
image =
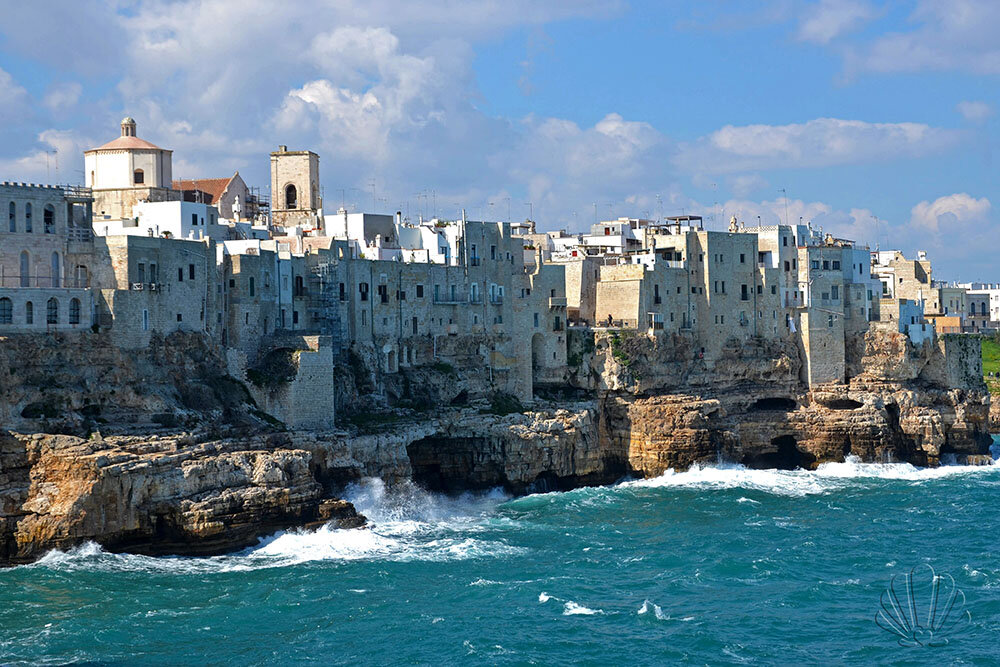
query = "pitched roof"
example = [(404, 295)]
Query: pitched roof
[(214, 187), (122, 143)]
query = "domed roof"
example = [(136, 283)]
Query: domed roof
[(128, 120), (126, 143)]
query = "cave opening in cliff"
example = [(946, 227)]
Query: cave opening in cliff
[(785, 456), (842, 404), (779, 403), (454, 464)]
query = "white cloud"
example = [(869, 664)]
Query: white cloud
[(14, 100), (829, 19), (817, 143), (61, 97), (947, 35), (976, 112), (54, 161), (955, 213), (746, 184)]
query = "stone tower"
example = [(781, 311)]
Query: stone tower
[(295, 197)]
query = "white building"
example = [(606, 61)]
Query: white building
[(171, 219)]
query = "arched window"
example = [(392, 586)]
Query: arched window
[(12, 216), (27, 218), (29, 313), (49, 219), (138, 178), (6, 311), (25, 269), (300, 288), (291, 197), (74, 311), (52, 311), (56, 282)]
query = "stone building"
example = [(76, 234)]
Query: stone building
[(46, 258), (126, 171), (296, 200), (230, 196)]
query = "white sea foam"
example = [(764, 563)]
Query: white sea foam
[(571, 608), (826, 478), (544, 597), (648, 606), (407, 524)]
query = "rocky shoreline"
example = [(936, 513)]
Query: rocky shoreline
[(216, 488)]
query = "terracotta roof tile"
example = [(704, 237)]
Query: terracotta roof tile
[(214, 187), (122, 143)]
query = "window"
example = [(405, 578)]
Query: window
[(27, 218), (760, 289), (152, 273), (253, 286), (836, 265), (74, 311), (145, 320), (656, 294), (744, 293), (194, 219), (420, 291), (829, 320), (138, 178), (835, 292), (191, 271), (493, 252), (52, 311), (180, 274), (743, 258), (6, 311), (536, 320), (826, 265), (300, 287), (413, 322), (29, 313), (12, 215), (383, 294), (56, 273), (25, 269), (295, 317), (774, 289), (179, 317), (291, 197), (363, 290), (364, 318), (815, 265), (140, 272), (49, 219), (784, 241)]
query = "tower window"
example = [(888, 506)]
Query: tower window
[(291, 197), (138, 178)]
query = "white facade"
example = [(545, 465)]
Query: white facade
[(177, 219), (128, 162)]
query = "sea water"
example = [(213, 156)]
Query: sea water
[(719, 564)]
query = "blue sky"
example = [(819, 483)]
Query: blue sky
[(851, 108)]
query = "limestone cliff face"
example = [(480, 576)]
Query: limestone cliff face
[(160, 495), (905, 404)]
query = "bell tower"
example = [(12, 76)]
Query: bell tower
[(295, 195)]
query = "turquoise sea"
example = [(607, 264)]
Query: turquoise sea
[(715, 565)]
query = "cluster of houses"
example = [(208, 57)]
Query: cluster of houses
[(139, 254)]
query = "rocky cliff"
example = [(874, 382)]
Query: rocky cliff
[(162, 452)]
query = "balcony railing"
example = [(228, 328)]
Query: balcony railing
[(43, 281), (557, 302)]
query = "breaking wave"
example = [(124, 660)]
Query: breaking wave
[(406, 523), (828, 477)]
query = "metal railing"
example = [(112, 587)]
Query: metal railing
[(43, 282), (557, 302)]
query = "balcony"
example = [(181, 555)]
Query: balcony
[(496, 300), (557, 302)]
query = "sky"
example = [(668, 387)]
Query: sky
[(874, 120)]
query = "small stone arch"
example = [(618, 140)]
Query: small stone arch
[(291, 196)]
